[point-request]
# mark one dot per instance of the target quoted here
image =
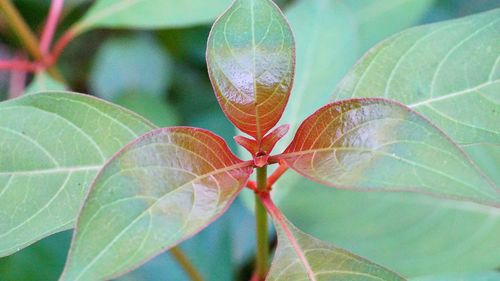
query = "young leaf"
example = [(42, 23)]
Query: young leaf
[(156, 192), (250, 57), (150, 13), (300, 256), (51, 146), (448, 71), (376, 144)]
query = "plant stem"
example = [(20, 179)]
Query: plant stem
[(56, 7), (262, 255), (184, 262), (28, 39)]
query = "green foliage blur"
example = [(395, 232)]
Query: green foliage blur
[(161, 74)]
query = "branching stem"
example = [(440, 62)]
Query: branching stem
[(26, 36)]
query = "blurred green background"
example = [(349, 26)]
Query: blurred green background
[(161, 74)]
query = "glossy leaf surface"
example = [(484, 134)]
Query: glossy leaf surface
[(300, 256), (379, 145), (150, 13), (250, 57), (51, 146), (448, 71), (156, 192)]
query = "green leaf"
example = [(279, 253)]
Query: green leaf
[(414, 235), (448, 71), (250, 58), (156, 192), (150, 13), (477, 276), (379, 145), (300, 256), (330, 36), (376, 20), (43, 82), (130, 64), (51, 146)]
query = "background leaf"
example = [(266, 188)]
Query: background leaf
[(250, 58), (422, 225), (52, 145), (126, 64), (300, 256), (479, 276), (145, 201), (330, 36), (376, 20), (151, 13), (212, 251), (448, 71), (379, 145), (414, 235)]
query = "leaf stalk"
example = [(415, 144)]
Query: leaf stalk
[(184, 262)]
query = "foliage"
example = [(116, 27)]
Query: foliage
[(416, 114)]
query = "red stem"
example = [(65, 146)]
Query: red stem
[(60, 45), (271, 180), (22, 65), (17, 82), (252, 185), (280, 219), (56, 7)]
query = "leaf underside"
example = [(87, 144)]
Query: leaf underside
[(300, 256), (51, 146), (156, 192), (379, 145), (250, 57)]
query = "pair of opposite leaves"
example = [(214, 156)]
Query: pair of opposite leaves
[(170, 183)]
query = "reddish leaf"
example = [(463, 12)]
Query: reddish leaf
[(273, 137), (376, 144), (156, 192), (260, 151), (249, 144), (251, 62)]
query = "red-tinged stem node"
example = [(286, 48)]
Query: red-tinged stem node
[(59, 46), (261, 150)]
